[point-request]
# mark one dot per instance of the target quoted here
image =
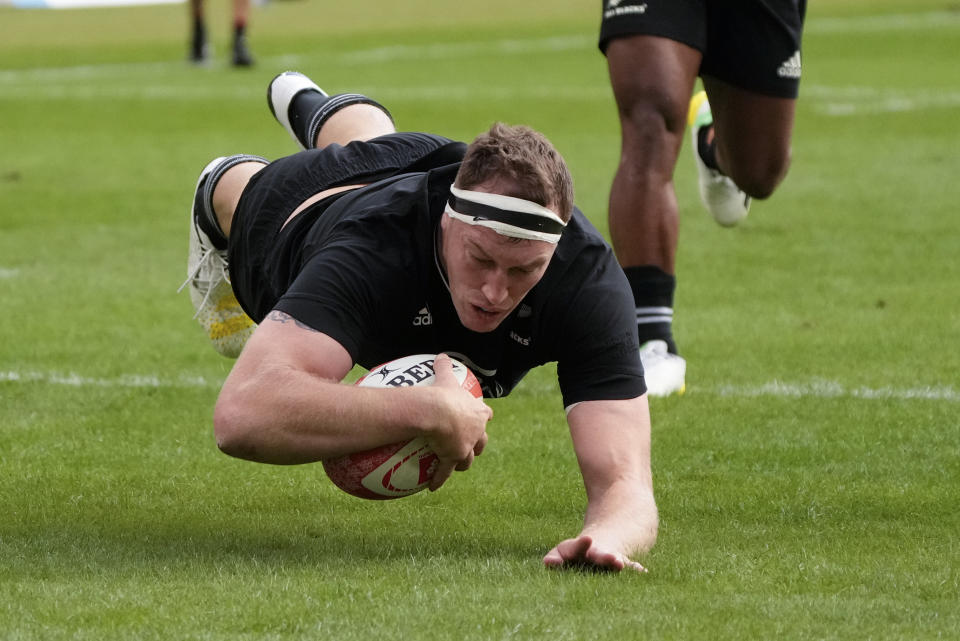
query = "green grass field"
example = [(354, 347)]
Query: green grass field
[(808, 482)]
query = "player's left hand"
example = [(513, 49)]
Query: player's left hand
[(584, 552)]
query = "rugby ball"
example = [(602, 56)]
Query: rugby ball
[(399, 469)]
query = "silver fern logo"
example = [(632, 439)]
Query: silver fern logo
[(615, 9)]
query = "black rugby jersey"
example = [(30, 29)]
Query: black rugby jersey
[(364, 270)]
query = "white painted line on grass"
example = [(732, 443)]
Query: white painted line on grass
[(112, 70), (448, 93), (778, 389), (887, 22), (833, 389), (84, 4), (842, 101), (8, 273), (446, 51), (828, 101), (128, 380), (860, 100)]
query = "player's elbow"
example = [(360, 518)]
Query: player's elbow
[(233, 431)]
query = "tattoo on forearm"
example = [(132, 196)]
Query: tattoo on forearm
[(283, 317)]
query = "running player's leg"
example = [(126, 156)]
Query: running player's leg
[(652, 78), (199, 48), (752, 86), (241, 15), (751, 136)]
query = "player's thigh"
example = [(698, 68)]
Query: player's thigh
[(653, 50), (652, 78)]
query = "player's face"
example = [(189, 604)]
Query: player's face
[(489, 274)]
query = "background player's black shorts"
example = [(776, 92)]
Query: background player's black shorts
[(751, 44), (275, 191)]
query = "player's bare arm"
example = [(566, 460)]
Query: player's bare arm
[(612, 443), (283, 403)]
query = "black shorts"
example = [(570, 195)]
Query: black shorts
[(751, 44), (278, 189)]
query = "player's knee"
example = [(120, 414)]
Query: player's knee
[(222, 188), (654, 115), (355, 121), (347, 117), (651, 135)]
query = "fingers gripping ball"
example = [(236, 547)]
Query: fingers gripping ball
[(399, 469)]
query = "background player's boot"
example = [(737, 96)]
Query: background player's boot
[(720, 195), (199, 47), (208, 278), (663, 371), (241, 53)]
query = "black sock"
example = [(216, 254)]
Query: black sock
[(302, 109), (199, 30), (653, 295), (207, 223), (707, 150), (203, 212), (199, 37)]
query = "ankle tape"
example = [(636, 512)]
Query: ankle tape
[(333, 105), (203, 200)]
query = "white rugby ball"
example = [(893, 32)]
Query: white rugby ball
[(399, 469)]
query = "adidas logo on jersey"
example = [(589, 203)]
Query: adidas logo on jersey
[(790, 67), (423, 318)]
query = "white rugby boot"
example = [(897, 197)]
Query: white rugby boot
[(726, 202), (663, 371), (217, 308), (280, 94)]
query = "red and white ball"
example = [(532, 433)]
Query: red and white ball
[(399, 469)]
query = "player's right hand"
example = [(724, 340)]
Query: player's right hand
[(460, 433)]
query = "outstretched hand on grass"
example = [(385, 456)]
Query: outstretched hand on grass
[(584, 552)]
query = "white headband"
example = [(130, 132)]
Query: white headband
[(505, 215)]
